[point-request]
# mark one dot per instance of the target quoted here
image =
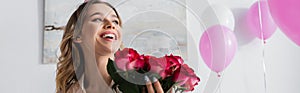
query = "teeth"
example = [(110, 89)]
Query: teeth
[(112, 36)]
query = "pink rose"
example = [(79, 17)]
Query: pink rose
[(139, 64), (157, 65), (186, 77), (124, 57)]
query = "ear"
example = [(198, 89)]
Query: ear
[(77, 39)]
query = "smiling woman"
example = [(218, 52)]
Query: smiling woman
[(91, 38)]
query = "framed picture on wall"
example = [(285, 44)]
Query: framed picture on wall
[(57, 13)]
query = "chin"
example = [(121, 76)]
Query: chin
[(110, 48)]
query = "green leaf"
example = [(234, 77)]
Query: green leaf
[(181, 89), (167, 83), (120, 82), (127, 87), (112, 71)]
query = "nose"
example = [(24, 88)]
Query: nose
[(109, 25)]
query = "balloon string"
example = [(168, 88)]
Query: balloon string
[(263, 43), (264, 66), (218, 88)]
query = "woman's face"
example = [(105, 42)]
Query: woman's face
[(102, 29)]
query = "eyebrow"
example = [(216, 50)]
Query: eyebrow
[(115, 16), (97, 13), (101, 14)]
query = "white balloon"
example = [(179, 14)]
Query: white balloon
[(218, 14)]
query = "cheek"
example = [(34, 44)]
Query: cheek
[(120, 33), (89, 30)]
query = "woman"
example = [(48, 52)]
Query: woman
[(92, 36)]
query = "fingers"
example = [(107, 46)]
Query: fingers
[(149, 85), (171, 90), (157, 85)]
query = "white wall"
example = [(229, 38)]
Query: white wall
[(22, 72), (20, 49)]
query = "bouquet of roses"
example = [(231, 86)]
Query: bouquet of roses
[(129, 69)]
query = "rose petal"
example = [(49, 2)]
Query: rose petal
[(121, 63), (125, 57)]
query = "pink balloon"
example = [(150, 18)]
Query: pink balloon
[(286, 14), (266, 27), (218, 46)]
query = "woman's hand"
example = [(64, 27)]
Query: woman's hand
[(156, 85)]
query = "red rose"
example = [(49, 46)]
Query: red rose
[(186, 77), (146, 67), (166, 73), (178, 58), (167, 65), (173, 62), (125, 56)]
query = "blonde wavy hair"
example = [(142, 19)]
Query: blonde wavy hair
[(65, 74)]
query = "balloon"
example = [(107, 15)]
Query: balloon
[(217, 47), (266, 27), (287, 16), (218, 14)]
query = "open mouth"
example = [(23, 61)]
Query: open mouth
[(108, 36)]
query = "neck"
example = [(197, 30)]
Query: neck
[(96, 65), (101, 65)]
